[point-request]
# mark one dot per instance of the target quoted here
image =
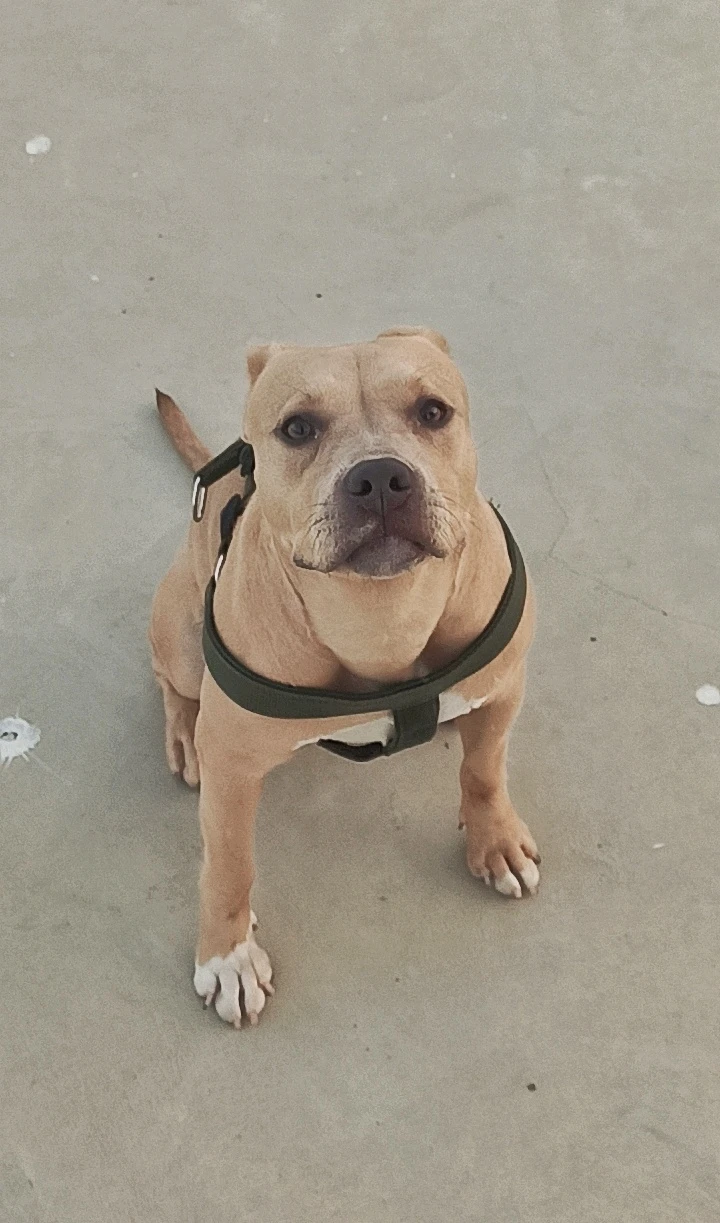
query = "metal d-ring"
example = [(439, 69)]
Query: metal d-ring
[(218, 567), (199, 495)]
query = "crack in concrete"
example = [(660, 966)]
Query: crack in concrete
[(624, 594), (540, 438), (592, 577), (558, 505)]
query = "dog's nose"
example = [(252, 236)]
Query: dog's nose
[(379, 485)]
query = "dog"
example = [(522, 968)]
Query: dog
[(366, 556)]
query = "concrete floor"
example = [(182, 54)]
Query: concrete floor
[(539, 182)]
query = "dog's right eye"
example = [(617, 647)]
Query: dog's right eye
[(297, 430)]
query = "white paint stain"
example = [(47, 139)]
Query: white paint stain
[(708, 694), (37, 145), (17, 738)]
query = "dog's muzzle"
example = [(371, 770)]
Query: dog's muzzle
[(377, 523)]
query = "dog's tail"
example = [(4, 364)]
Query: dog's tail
[(187, 443)]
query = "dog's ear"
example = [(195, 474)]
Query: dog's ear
[(258, 357), (425, 333)]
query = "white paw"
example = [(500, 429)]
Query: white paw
[(505, 857), (221, 979), (510, 885)]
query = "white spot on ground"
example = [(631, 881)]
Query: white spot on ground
[(38, 144), (708, 694), (95, 279), (17, 738), (659, 845)]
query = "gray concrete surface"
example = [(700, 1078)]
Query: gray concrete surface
[(538, 181)]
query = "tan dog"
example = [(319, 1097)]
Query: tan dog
[(366, 556)]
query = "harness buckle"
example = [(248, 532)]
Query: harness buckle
[(238, 455)]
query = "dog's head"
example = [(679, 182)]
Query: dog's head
[(364, 460)]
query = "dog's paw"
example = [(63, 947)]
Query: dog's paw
[(505, 856), (238, 983)]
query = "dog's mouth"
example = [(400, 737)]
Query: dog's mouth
[(371, 541), (385, 557), (373, 553)]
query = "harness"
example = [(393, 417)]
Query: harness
[(414, 705)]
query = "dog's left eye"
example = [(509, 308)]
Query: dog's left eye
[(298, 429), (433, 413)]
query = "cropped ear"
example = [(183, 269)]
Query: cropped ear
[(258, 357), (425, 333)]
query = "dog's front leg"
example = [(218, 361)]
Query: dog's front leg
[(230, 968), (500, 848)]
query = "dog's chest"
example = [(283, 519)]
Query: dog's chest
[(452, 705)]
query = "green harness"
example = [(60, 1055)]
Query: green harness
[(415, 705)]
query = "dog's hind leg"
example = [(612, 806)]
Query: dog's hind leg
[(176, 644), (180, 717)]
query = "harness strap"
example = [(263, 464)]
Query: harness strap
[(415, 705), (415, 725)]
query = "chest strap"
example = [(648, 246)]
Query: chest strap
[(412, 726), (414, 705)]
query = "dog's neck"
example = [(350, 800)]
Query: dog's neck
[(344, 630), (377, 628)]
